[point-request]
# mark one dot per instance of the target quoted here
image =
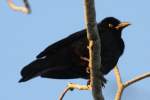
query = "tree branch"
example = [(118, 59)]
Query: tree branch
[(122, 86), (94, 54), (119, 83), (63, 93), (94, 49), (136, 79), (72, 86), (25, 9)]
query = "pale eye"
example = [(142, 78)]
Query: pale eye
[(110, 25)]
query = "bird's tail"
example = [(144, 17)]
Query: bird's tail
[(32, 70)]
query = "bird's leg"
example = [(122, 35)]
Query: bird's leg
[(88, 82), (104, 81), (88, 71)]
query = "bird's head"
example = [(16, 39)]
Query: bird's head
[(113, 24)]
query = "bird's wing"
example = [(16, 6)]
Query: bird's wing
[(62, 43)]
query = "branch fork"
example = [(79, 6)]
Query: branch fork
[(122, 86)]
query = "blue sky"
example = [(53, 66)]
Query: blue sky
[(22, 37)]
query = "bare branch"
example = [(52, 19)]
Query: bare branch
[(72, 86), (79, 87), (25, 9), (136, 79), (63, 93), (118, 76), (119, 84), (119, 93), (27, 5), (94, 49)]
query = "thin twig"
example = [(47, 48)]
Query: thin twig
[(72, 86), (136, 79), (27, 5), (25, 9), (63, 93), (79, 87)]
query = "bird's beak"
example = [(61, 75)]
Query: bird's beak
[(122, 25)]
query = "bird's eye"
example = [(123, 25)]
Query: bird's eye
[(110, 25)]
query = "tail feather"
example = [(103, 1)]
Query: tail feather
[(32, 70)]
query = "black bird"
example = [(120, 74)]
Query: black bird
[(67, 58)]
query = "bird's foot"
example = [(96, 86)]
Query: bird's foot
[(103, 81)]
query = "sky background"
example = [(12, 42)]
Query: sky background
[(22, 37)]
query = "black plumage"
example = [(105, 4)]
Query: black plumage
[(67, 58)]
